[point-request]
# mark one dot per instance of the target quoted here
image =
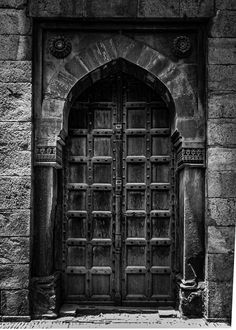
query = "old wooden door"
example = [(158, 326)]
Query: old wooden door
[(119, 227)]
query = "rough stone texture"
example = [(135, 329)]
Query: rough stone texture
[(15, 192), (197, 8), (15, 47), (220, 267), (162, 8), (15, 101), (15, 163), (115, 8), (221, 211), (15, 136), (18, 4), (222, 77), (221, 239), (222, 105), (219, 297), (225, 4), (222, 132), (224, 24), (221, 184), (15, 72), (15, 223), (221, 51), (14, 276), (14, 250), (221, 159), (15, 302), (14, 22)]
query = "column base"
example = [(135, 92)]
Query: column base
[(45, 296), (191, 300)]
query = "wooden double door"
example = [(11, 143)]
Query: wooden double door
[(118, 242)]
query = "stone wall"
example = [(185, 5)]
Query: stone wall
[(221, 157), (15, 157), (16, 133)]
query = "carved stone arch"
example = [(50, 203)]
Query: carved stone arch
[(87, 66)]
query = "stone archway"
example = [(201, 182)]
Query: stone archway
[(71, 78)]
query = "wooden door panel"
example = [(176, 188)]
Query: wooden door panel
[(102, 227), (160, 200), (135, 173), (118, 224), (102, 173), (77, 227), (102, 146), (136, 227), (160, 227), (135, 200), (136, 118), (78, 173), (77, 200), (136, 146), (78, 146)]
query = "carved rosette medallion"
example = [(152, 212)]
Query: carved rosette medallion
[(60, 47), (182, 46)]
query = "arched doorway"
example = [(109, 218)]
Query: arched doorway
[(119, 244)]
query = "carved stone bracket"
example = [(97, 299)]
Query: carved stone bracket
[(188, 153), (190, 156), (45, 296), (48, 155)]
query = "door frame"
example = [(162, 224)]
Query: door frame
[(48, 152)]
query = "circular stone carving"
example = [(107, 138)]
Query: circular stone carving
[(182, 46), (60, 47)]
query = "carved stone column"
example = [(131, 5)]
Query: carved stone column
[(190, 167), (45, 282)]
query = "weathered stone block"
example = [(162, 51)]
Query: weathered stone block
[(15, 102), (114, 8), (219, 300), (52, 108), (222, 132), (15, 136), (221, 184), (221, 211), (15, 302), (18, 4), (190, 128), (15, 223), (225, 4), (14, 250), (221, 51), (222, 77), (14, 71), (197, 8), (221, 159), (224, 24), (15, 192), (15, 47), (222, 105), (14, 276), (221, 239), (15, 163), (14, 22), (220, 267), (162, 8)]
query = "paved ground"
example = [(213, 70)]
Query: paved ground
[(114, 320)]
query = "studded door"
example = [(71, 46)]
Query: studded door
[(118, 244)]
